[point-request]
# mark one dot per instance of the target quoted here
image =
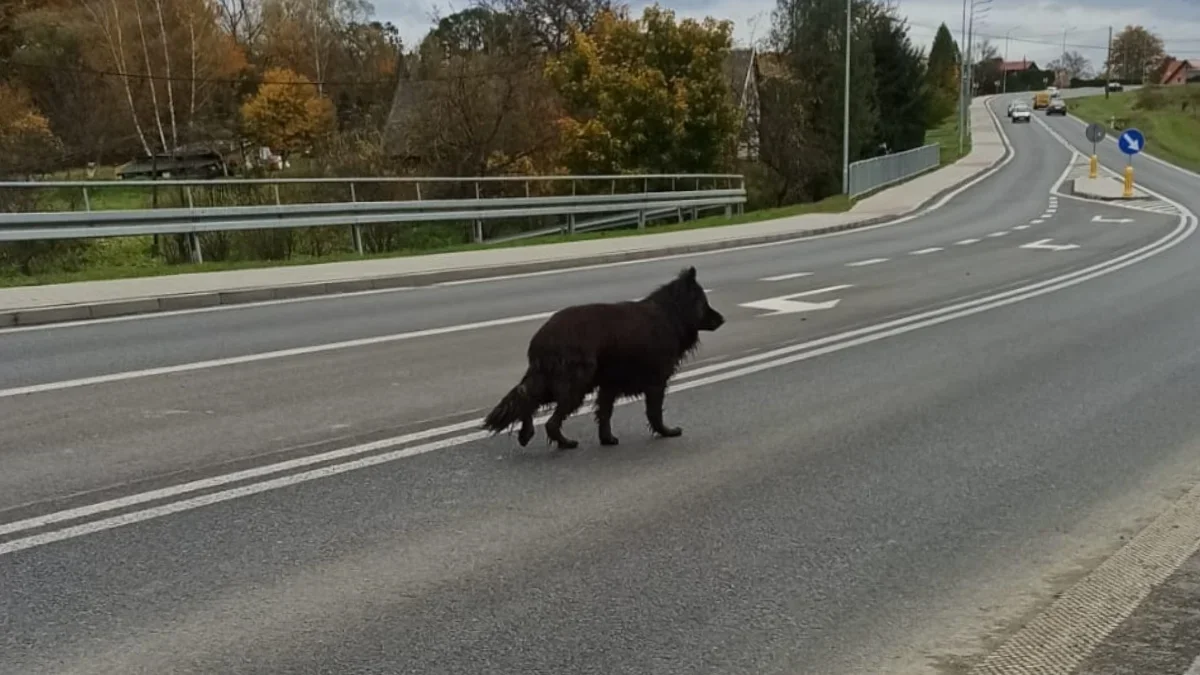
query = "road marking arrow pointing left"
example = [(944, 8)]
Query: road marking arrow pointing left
[(1102, 219), (1045, 245), (786, 304)]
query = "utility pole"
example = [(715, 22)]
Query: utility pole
[(846, 109), (1108, 64), (962, 81)]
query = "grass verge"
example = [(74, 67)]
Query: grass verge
[(125, 258), (1168, 116), (946, 135)]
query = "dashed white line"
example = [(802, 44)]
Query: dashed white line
[(966, 242), (999, 234), (923, 251), (864, 263), (1048, 215), (1039, 221), (785, 277), (1021, 227)]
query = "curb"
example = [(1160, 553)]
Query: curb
[(176, 302)]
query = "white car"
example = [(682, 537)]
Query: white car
[(1021, 113)]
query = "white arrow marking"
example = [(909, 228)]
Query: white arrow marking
[(1102, 219), (785, 277), (1131, 142), (1042, 244), (784, 304)]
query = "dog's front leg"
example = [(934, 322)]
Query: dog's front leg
[(606, 400), (655, 397)]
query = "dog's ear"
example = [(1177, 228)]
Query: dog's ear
[(689, 274)]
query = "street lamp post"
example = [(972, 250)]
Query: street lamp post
[(1007, 34), (846, 108)]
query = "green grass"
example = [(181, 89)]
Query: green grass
[(946, 134), (126, 259), (1172, 132)]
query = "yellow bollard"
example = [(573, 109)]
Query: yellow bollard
[(1128, 182), (1094, 168)]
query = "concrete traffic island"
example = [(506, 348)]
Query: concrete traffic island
[(1104, 188)]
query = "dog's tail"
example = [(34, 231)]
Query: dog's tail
[(518, 403)]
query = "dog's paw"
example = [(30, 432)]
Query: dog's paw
[(609, 440), (568, 444), (670, 432), (523, 437)]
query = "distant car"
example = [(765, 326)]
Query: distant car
[(1020, 112), (1057, 107), (1116, 86)]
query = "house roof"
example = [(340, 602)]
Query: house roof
[(1017, 66), (1174, 66)]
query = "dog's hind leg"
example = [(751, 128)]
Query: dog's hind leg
[(606, 399), (655, 397), (568, 402)]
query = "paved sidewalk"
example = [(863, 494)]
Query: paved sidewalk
[(97, 299)]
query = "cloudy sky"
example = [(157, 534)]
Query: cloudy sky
[(1034, 28)]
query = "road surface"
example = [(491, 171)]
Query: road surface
[(1004, 389)]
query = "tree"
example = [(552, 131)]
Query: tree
[(27, 146), (942, 76), (1136, 52), (1072, 65), (900, 81), (807, 104), (647, 95), (287, 114)]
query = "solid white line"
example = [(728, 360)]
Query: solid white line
[(1002, 233), (763, 361), (864, 263), (265, 356), (966, 242), (785, 277), (923, 251)]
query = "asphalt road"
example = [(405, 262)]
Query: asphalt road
[(872, 499)]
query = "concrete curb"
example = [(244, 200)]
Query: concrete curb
[(175, 302)]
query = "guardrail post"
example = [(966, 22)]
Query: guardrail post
[(356, 229), (696, 210), (571, 216), (678, 210), (196, 253), (87, 202), (478, 223)]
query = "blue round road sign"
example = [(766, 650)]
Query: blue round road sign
[(1131, 141)]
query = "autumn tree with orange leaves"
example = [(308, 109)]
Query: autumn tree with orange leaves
[(287, 113)]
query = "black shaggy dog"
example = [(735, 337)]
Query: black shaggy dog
[(623, 349)]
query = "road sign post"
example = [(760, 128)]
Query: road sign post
[(1095, 134), (1131, 142)]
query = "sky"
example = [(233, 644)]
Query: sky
[(1034, 28)]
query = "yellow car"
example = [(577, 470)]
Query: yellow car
[(1041, 100)]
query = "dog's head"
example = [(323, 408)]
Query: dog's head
[(704, 315)]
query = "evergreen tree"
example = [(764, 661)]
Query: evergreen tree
[(901, 89), (942, 76)]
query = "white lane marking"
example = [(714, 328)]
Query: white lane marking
[(762, 361), (1037, 221), (966, 242), (1046, 245), (786, 304), (1046, 215), (1102, 219), (991, 171), (1001, 233), (924, 251), (785, 277), (1021, 227), (864, 263), (265, 356)]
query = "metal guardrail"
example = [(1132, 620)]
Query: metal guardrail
[(624, 208), (868, 175)]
